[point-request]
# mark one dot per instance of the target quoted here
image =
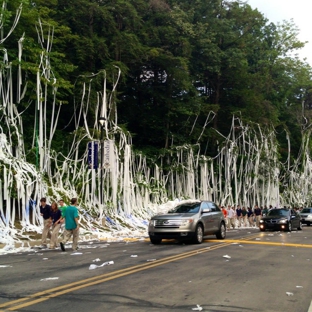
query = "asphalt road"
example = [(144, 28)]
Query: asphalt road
[(249, 271)]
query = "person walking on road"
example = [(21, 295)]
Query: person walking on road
[(45, 212), (231, 217), (239, 215), (258, 214), (244, 216), (250, 216), (62, 206), (57, 219), (71, 224)]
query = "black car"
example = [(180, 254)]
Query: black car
[(281, 219)]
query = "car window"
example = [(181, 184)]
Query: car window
[(186, 208), (212, 206), (277, 212), (204, 205), (306, 210)]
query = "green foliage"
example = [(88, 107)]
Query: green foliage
[(187, 67)]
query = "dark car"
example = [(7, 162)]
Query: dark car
[(190, 220), (281, 219), (306, 216)]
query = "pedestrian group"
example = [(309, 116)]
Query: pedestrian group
[(237, 216), (54, 218)]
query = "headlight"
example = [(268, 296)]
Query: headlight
[(152, 222), (283, 221), (186, 222), (261, 221)]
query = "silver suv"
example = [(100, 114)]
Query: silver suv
[(190, 220), (306, 216)]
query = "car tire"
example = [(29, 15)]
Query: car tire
[(222, 231), (198, 235), (308, 224), (155, 241), (289, 227), (299, 228)]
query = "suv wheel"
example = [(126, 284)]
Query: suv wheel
[(155, 241), (300, 226), (222, 232), (199, 234)]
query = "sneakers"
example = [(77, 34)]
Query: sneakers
[(62, 246)]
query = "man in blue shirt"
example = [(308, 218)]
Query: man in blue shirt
[(45, 212), (258, 213), (71, 224), (239, 215)]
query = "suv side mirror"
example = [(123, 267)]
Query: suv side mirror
[(205, 210)]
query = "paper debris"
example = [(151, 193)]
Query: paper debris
[(5, 266), (94, 266), (299, 286), (45, 258), (97, 260), (133, 256), (198, 308), (49, 278), (76, 253), (226, 256), (289, 293), (150, 260)]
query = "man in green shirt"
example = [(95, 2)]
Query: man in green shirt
[(71, 224), (62, 206)]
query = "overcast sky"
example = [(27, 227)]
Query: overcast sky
[(298, 10)]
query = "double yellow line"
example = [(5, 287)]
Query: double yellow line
[(61, 290), (240, 241)]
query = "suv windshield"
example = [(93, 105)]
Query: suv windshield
[(277, 212), (306, 210), (186, 208)]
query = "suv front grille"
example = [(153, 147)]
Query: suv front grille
[(173, 224)]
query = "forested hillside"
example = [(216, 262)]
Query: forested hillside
[(202, 98), (179, 61)]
